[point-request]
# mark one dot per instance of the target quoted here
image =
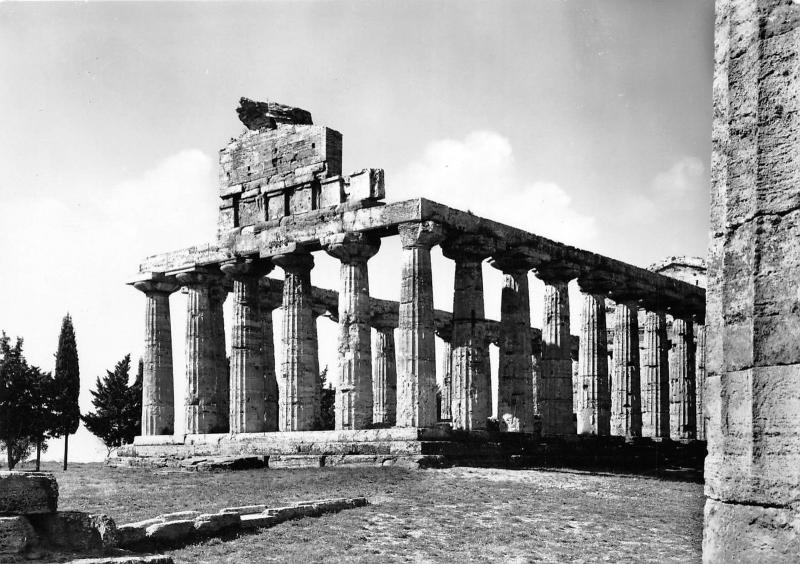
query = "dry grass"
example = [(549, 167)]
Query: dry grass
[(460, 514)]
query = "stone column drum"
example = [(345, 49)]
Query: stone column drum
[(298, 405), (354, 391), (554, 395), (384, 374), (682, 411), (219, 293), (158, 402), (471, 401), (700, 379), (268, 303), (593, 409), (416, 352), (247, 374), (655, 375), (515, 371), (626, 403), (446, 380), (202, 410)]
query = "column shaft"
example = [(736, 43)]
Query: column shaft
[(655, 376), (593, 394), (416, 353), (626, 407), (515, 370), (700, 380), (555, 394), (446, 382), (201, 361), (271, 409), (682, 380), (222, 369), (384, 377)]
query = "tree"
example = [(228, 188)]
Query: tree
[(67, 385), (327, 402), (118, 407), (25, 403)]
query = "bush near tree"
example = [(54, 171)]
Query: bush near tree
[(118, 407), (68, 383)]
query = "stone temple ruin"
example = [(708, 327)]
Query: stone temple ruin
[(283, 197)]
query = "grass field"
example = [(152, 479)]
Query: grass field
[(452, 515)]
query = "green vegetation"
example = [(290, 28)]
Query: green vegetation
[(68, 383)]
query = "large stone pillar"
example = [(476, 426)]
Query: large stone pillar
[(626, 403), (682, 410), (515, 371), (554, 397), (270, 300), (354, 390), (753, 320), (248, 384), (299, 403), (700, 378), (203, 365), (384, 373), (655, 374), (593, 409), (471, 402), (416, 352), (219, 293), (445, 383), (158, 402)]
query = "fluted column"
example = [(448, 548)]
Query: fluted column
[(269, 301), (626, 402), (354, 390), (247, 373), (158, 403), (655, 374), (554, 396), (416, 352), (299, 403), (515, 370), (471, 401), (593, 410), (219, 293), (682, 379), (202, 351), (700, 379), (384, 374), (446, 384)]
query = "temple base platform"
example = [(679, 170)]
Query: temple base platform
[(415, 447)]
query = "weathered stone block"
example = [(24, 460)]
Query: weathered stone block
[(178, 516), (245, 509), (150, 559), (132, 534), (27, 492), (289, 461), (259, 520), (209, 524), (171, 531), (16, 533), (75, 530)]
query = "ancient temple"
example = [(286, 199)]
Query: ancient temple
[(283, 197)]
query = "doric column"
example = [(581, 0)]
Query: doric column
[(515, 371), (416, 352), (299, 375), (626, 401), (219, 293), (682, 412), (593, 410), (471, 401), (354, 390), (700, 377), (384, 373), (655, 373), (202, 350), (158, 402), (445, 375), (271, 299), (554, 395), (248, 385)]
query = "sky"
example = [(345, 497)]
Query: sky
[(585, 121)]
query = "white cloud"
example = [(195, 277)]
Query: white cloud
[(479, 174), (685, 177)]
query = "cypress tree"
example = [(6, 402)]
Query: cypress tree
[(67, 385)]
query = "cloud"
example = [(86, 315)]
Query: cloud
[(479, 174), (684, 178)]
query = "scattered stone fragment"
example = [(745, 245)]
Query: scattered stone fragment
[(245, 509), (178, 516), (210, 524), (23, 493), (150, 559), (171, 531), (75, 530), (16, 533)]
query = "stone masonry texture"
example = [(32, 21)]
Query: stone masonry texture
[(384, 376), (655, 376), (416, 353), (593, 409), (353, 405), (700, 380), (267, 305), (752, 391), (682, 411), (158, 403), (626, 409), (27, 492)]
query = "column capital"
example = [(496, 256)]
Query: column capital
[(271, 294), (383, 322), (444, 331), (200, 277), (156, 283), (297, 261), (518, 259), (246, 267), (595, 282), (423, 234), (630, 292), (557, 271), (468, 247), (351, 247)]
